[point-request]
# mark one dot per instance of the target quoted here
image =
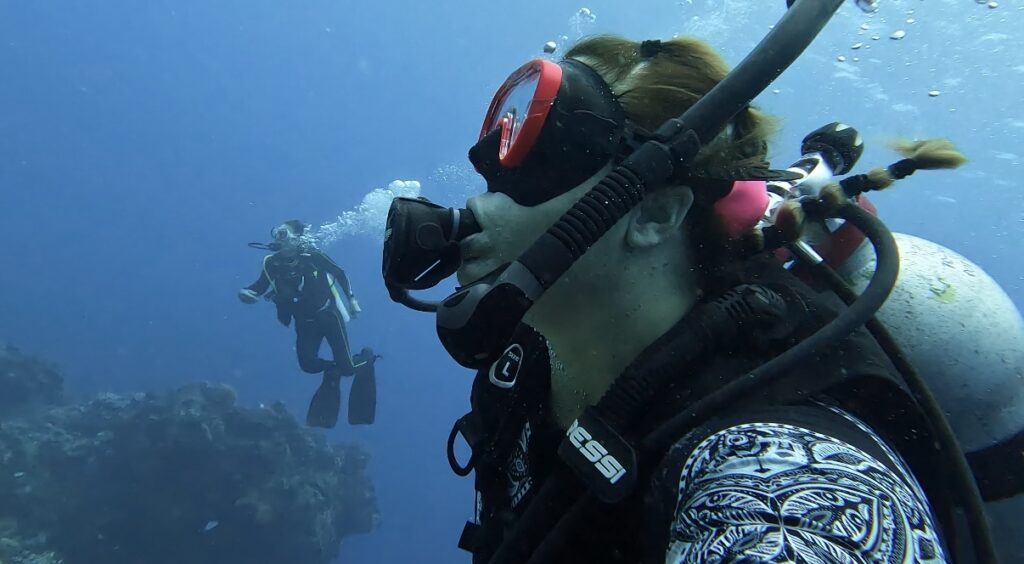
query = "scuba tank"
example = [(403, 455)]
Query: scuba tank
[(339, 302), (962, 332), (952, 321)]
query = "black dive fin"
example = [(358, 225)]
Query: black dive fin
[(362, 398), (326, 402)]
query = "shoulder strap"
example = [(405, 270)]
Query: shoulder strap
[(266, 271)]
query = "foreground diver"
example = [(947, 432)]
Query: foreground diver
[(775, 478), (652, 384), (310, 288)]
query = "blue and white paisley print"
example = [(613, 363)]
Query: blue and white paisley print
[(770, 492)]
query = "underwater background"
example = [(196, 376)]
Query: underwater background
[(144, 144)]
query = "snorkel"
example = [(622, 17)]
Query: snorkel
[(289, 236), (272, 247)]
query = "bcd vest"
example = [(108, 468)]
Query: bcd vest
[(514, 441)]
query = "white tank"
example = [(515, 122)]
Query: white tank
[(955, 324), (966, 339), (961, 332)]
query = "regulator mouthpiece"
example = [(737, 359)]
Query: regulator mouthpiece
[(421, 246)]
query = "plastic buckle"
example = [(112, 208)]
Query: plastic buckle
[(460, 428)]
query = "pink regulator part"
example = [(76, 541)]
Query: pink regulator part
[(743, 207)]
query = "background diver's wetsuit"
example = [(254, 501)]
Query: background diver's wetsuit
[(302, 291)]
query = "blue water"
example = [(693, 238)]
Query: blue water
[(143, 144)]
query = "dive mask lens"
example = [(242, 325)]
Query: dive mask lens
[(514, 110), (520, 107), (280, 233), (549, 128)]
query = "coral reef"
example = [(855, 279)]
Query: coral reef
[(187, 476), (27, 384)]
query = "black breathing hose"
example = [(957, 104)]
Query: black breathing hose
[(839, 328), (960, 472)]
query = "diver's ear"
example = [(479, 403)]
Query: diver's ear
[(659, 216)]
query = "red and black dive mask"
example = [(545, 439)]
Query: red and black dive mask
[(549, 127)]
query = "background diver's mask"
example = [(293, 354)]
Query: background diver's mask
[(288, 235)]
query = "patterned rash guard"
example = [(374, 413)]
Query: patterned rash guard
[(796, 484)]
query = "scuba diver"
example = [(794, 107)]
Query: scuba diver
[(669, 367), (307, 286)]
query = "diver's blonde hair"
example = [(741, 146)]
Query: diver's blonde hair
[(655, 81), (924, 154)]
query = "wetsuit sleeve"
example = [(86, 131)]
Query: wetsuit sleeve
[(801, 485), (330, 266), (262, 283)]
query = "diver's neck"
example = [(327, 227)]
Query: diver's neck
[(596, 330)]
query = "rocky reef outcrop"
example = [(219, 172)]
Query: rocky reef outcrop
[(27, 384), (185, 476)]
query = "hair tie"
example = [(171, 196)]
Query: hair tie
[(903, 168), (650, 48)]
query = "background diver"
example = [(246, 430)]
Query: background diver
[(309, 287)]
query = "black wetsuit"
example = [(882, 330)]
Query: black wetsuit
[(302, 292), (798, 473)]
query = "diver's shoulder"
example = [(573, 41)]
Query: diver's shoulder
[(805, 464)]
